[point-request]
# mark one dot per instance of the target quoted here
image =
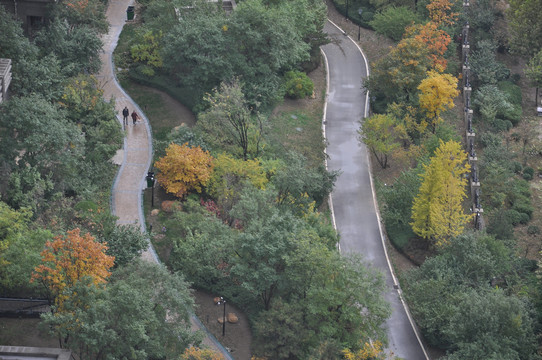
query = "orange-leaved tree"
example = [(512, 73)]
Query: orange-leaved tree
[(440, 12), (437, 93), (68, 259), (184, 169), (436, 41)]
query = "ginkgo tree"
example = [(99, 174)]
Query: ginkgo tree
[(68, 259), (437, 211), (184, 169), (437, 93)]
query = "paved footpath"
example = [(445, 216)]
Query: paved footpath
[(136, 156), (353, 199)]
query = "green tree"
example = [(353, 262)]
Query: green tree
[(298, 85), (451, 298), (299, 185), (533, 72), (76, 48), (280, 332), (203, 249), (230, 176), (125, 243), (148, 52), (228, 120), (262, 248), (269, 43), (485, 68), (36, 134), (393, 21), (525, 27), (377, 133), (489, 324), (196, 51), (396, 77), (13, 231), (142, 313), (437, 210)]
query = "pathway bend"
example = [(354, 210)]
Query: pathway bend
[(353, 200), (136, 157)]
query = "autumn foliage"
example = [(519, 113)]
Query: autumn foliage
[(437, 93), (369, 351), (67, 259), (436, 41), (194, 353), (437, 210), (184, 169)]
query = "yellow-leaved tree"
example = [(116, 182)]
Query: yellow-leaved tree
[(184, 169), (437, 211), (68, 259), (194, 353), (369, 351), (378, 133), (437, 93)]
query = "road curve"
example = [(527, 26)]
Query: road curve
[(353, 201)]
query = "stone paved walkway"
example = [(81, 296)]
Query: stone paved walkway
[(136, 156)]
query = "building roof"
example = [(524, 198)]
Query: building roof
[(33, 353)]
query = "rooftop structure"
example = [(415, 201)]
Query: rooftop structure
[(5, 77), (31, 13), (33, 353)]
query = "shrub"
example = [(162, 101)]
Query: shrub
[(524, 218), (514, 217), (528, 173), (525, 208), (484, 65), (517, 167), (533, 230), (392, 21), (298, 85), (512, 90), (500, 225)]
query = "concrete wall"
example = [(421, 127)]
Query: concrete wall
[(29, 12)]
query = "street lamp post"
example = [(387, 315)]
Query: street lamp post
[(224, 316), (360, 10), (150, 184), (346, 9)]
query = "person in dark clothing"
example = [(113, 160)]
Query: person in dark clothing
[(125, 114), (134, 116)]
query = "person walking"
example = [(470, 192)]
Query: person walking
[(134, 116), (125, 113)]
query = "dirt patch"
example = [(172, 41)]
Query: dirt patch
[(237, 338)]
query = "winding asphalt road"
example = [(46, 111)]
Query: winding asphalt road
[(353, 201)]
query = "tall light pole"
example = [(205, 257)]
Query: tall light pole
[(346, 9), (222, 301), (150, 184), (360, 10)]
